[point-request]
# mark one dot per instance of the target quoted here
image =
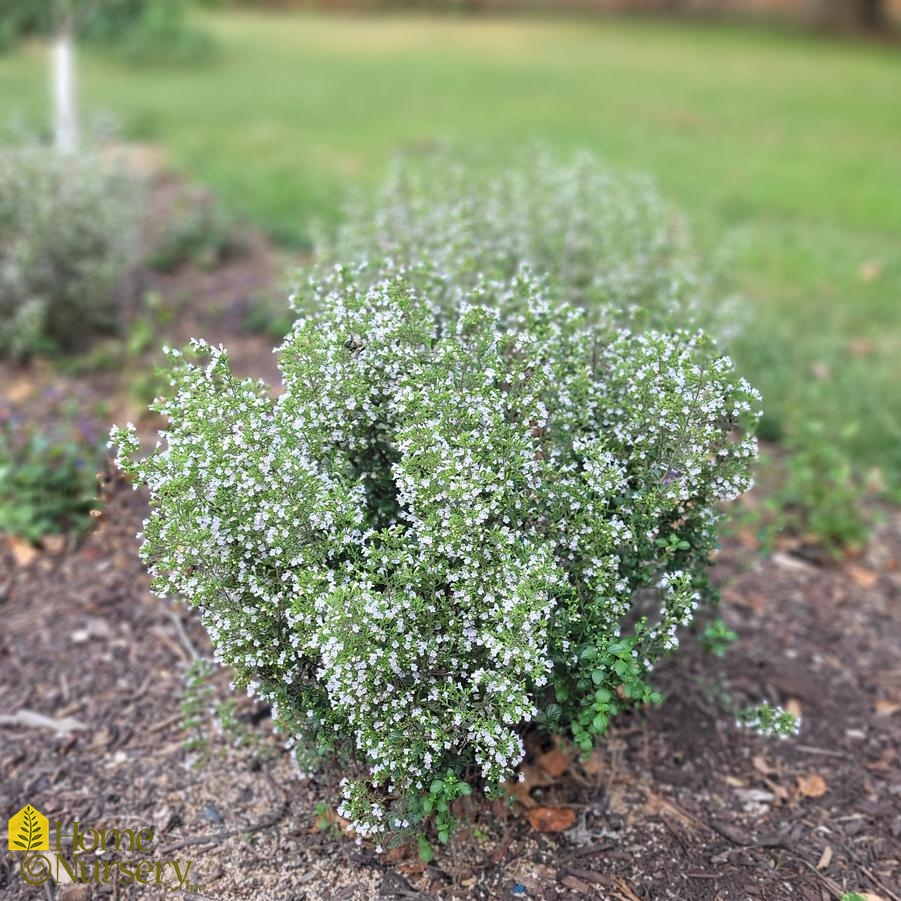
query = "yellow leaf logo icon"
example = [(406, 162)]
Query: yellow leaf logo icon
[(29, 830)]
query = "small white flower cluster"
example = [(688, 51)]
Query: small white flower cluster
[(769, 721), (441, 528)]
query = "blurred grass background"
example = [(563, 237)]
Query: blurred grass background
[(780, 145)]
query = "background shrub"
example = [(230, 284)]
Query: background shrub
[(67, 244), (48, 470), (821, 495), (612, 245), (450, 523)]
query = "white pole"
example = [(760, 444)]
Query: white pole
[(65, 121)]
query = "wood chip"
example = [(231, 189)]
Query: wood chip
[(863, 578), (29, 719), (552, 819), (576, 885), (625, 892), (594, 765), (762, 767), (54, 544), (521, 790), (812, 786), (24, 552), (555, 763), (887, 707), (825, 858)]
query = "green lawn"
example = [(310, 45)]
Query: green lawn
[(782, 146)]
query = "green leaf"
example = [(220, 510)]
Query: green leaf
[(425, 849)]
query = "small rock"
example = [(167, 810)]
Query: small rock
[(755, 801), (211, 813), (93, 628), (163, 819)]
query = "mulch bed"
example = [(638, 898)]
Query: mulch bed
[(678, 803)]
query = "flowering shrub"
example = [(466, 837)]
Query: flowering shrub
[(67, 243), (611, 244), (450, 523)]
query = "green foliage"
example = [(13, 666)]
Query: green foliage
[(196, 705), (23, 18), (48, 471), (448, 524), (146, 385), (717, 637), (268, 316), (141, 30), (67, 245), (822, 495), (156, 32), (198, 231), (769, 721), (814, 492), (437, 804), (205, 714)]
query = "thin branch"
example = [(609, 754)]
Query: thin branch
[(228, 833)]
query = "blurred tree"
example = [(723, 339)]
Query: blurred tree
[(62, 21), (869, 14)]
